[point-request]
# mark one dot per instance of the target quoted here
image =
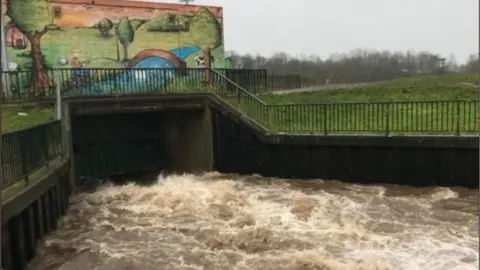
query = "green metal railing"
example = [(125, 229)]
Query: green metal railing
[(27, 150), (454, 117), (451, 117)]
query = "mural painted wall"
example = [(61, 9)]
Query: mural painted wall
[(45, 34)]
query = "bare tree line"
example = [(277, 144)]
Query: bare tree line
[(356, 66)]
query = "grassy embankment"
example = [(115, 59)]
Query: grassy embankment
[(392, 101), (15, 118)]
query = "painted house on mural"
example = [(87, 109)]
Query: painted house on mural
[(15, 38), (113, 33)]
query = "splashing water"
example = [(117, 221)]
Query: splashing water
[(215, 221)]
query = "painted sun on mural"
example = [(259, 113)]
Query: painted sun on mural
[(45, 34)]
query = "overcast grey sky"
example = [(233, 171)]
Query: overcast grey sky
[(324, 27)]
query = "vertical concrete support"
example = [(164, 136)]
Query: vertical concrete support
[(38, 216), (28, 220), (67, 143), (62, 208), (17, 241), (51, 195), (46, 215), (7, 256), (189, 141)]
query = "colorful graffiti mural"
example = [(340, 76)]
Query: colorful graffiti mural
[(44, 34)]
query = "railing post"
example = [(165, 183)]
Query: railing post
[(325, 119), (268, 116), (58, 95), (457, 118), (163, 80), (23, 157), (387, 123), (45, 143)]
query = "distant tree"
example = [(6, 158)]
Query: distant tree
[(452, 63), (104, 26), (31, 18), (472, 64), (355, 66), (206, 32), (125, 34)]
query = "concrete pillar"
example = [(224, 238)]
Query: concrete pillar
[(38, 217), (28, 220), (67, 143), (62, 198), (17, 241), (189, 141), (51, 194), (46, 215), (7, 259)]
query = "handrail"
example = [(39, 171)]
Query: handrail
[(373, 102), (239, 87), (27, 150)]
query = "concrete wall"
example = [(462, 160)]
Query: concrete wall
[(184, 126), (113, 138), (189, 141), (240, 147), (32, 213)]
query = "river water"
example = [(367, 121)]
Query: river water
[(215, 221)]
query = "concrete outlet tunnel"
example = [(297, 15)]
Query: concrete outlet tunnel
[(117, 144)]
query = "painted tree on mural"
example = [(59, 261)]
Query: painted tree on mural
[(104, 26), (31, 17), (125, 34), (136, 23), (206, 33)]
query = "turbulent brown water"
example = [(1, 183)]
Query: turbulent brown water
[(216, 221)]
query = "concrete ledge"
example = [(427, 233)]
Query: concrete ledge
[(138, 98), (468, 142), (16, 204), (137, 109), (108, 105)]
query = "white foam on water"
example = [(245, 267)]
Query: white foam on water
[(215, 222)]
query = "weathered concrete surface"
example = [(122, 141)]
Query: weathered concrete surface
[(18, 196), (178, 126), (189, 141), (29, 212)]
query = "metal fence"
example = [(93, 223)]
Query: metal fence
[(121, 81), (27, 150), (102, 81), (454, 117), (431, 117), (252, 80)]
